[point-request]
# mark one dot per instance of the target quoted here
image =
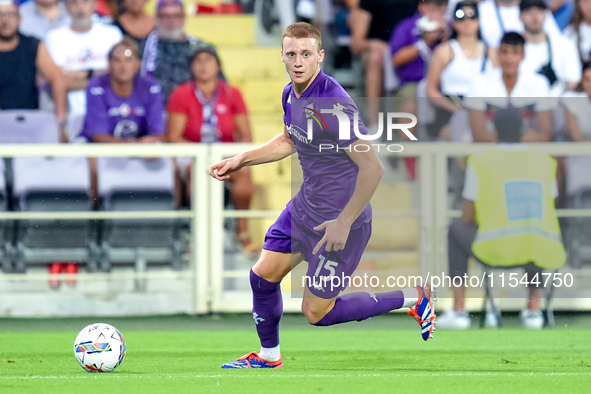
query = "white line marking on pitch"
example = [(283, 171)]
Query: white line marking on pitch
[(281, 375)]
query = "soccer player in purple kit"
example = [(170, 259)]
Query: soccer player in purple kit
[(328, 222)]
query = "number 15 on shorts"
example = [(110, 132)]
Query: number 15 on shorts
[(328, 265)]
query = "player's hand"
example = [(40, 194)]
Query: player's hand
[(222, 170), (335, 235)]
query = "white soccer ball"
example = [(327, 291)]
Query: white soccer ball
[(99, 347)]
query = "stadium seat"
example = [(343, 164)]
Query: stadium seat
[(137, 184), (264, 96), (265, 126), (221, 30), (28, 126), (50, 185), (273, 173), (45, 184), (393, 233), (238, 61)]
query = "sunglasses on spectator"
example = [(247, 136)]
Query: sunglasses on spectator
[(461, 15)]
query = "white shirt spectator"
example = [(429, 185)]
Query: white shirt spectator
[(565, 61), (456, 78), (82, 51), (493, 24), (470, 191), (584, 40), (530, 90)]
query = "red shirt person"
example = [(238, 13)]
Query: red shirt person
[(188, 104), (209, 110)]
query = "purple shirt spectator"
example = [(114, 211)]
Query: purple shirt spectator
[(406, 34), (131, 117)]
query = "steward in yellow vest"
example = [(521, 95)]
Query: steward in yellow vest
[(508, 219), (515, 212)]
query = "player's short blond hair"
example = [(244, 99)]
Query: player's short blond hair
[(302, 30)]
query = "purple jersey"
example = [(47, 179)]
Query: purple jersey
[(404, 35), (329, 174), (124, 117)]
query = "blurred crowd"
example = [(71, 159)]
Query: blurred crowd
[(112, 72), (455, 64)]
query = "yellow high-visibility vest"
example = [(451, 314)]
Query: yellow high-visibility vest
[(515, 211)]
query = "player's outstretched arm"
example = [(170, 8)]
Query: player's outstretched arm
[(370, 173), (278, 148)]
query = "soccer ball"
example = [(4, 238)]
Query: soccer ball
[(99, 347)]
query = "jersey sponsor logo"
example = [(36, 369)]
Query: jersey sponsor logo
[(298, 133), (155, 89), (125, 110)]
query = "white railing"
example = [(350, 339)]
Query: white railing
[(208, 212)]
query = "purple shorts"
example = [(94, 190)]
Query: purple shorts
[(289, 235)]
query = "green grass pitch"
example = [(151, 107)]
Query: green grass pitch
[(182, 354)]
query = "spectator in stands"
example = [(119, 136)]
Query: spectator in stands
[(81, 50), (510, 86), (411, 47), (579, 30), (168, 48), (555, 57), (578, 119), (209, 110), (134, 22), (21, 57), (454, 65), (372, 23), (40, 16), (502, 16), (509, 188), (562, 10), (123, 106)]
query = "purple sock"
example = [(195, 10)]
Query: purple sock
[(360, 306), (267, 308)]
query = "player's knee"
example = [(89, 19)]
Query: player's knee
[(313, 311)]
